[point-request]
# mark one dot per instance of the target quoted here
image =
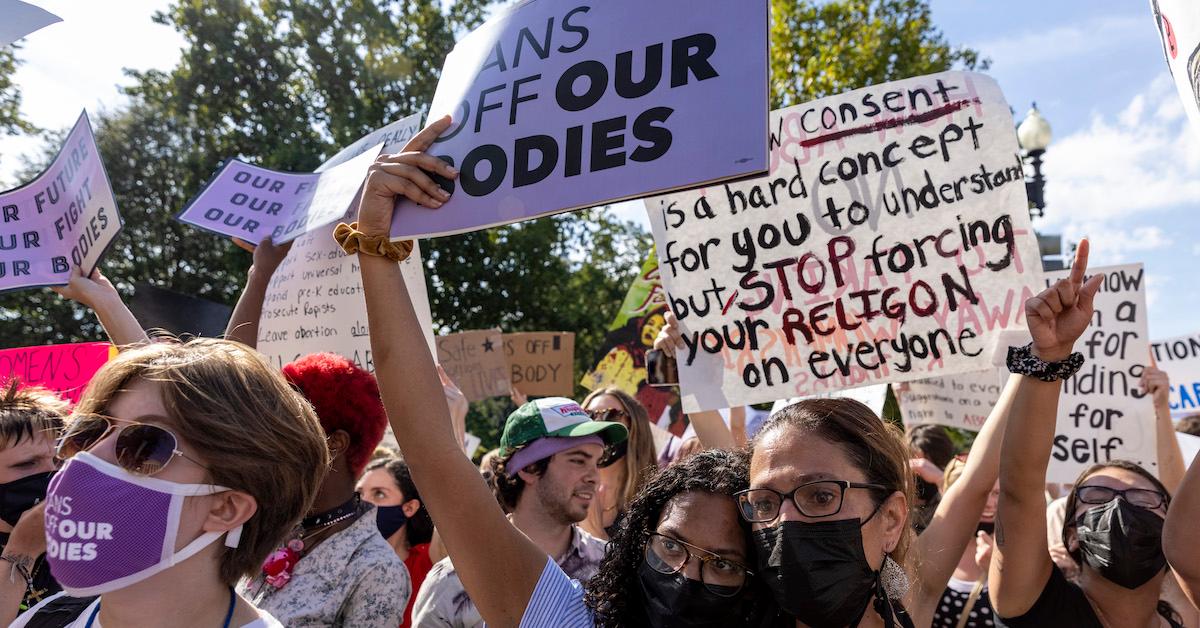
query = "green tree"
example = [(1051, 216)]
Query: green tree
[(11, 122)]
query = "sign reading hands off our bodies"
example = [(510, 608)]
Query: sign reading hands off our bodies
[(561, 105), (63, 219), (890, 241)]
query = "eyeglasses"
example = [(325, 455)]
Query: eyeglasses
[(611, 415), (719, 575), (1144, 498), (141, 448), (813, 499)]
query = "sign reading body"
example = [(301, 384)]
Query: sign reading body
[(541, 363), (315, 300), (964, 400), (1103, 414), (65, 218), (251, 202), (564, 105), (890, 242), (66, 369), (1180, 358), (474, 361)]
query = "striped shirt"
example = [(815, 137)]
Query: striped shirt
[(557, 602)]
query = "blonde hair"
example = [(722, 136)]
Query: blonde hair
[(640, 458), (256, 434), (28, 411)]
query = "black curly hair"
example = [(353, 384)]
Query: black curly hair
[(613, 594)]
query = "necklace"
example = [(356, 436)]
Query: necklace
[(278, 567)]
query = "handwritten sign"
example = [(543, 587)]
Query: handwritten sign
[(21, 19), (963, 401), (1103, 414), (66, 369), (315, 299), (890, 242), (1178, 24), (1180, 358), (251, 202), (63, 219), (565, 105), (871, 396), (475, 361), (541, 363)]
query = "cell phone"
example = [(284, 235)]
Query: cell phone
[(661, 369)]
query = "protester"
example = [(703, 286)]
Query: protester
[(1189, 424), (931, 450), (1114, 515), (628, 463), (965, 603), (165, 470), (336, 569), (400, 517)]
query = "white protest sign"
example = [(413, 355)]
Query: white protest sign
[(252, 203), (889, 242), (872, 397), (1180, 358), (963, 401), (22, 18), (315, 300), (1103, 414), (1178, 23), (1189, 446)]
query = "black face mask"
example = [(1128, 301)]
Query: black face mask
[(613, 453), (817, 571), (1123, 542), (20, 495), (675, 601), (389, 519)]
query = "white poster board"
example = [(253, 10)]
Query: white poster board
[(963, 400), (1180, 358)]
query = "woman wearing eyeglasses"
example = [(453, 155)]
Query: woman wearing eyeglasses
[(629, 464), (164, 500), (1115, 514)]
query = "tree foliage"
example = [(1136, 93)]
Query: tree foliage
[(11, 122)]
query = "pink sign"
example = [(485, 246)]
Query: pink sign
[(64, 368)]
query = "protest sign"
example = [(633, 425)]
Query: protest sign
[(890, 242), (63, 368), (541, 363), (22, 18), (315, 299), (871, 396), (1180, 358), (253, 203), (1189, 446), (65, 218), (621, 359), (538, 128), (159, 308), (963, 401), (1178, 23), (1103, 414), (474, 360)]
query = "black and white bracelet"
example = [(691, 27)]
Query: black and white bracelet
[(1021, 361)]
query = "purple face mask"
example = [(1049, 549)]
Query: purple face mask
[(107, 528)]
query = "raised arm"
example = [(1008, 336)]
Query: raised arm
[(98, 293), (1021, 563), (1171, 465), (501, 573), (243, 324), (711, 430)]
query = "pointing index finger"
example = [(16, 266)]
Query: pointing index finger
[(1079, 268)]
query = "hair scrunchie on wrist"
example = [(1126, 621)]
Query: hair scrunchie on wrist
[(354, 241)]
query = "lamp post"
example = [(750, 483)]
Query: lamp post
[(1034, 136)]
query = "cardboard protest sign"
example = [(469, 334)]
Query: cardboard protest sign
[(22, 18), (890, 242), (1103, 414), (963, 401), (63, 219), (66, 369), (541, 363), (252, 203), (315, 299), (1180, 358), (565, 105), (474, 360), (621, 359), (871, 396), (1178, 23), (159, 308)]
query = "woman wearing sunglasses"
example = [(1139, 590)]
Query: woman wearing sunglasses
[(1115, 514), (164, 500), (511, 580), (626, 466)]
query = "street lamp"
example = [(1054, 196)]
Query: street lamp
[(1034, 136)]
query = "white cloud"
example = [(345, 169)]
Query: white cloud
[(1062, 42)]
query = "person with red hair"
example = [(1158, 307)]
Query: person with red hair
[(336, 569)]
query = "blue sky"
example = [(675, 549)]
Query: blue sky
[(1124, 166)]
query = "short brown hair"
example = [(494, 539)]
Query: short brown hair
[(255, 432), (26, 411), (1189, 424)]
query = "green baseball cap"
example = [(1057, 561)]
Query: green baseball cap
[(556, 417)]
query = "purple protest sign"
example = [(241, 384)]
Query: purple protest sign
[(566, 105), (21, 19), (64, 218), (251, 202)]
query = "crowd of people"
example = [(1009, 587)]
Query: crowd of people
[(194, 484)]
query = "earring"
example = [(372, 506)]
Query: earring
[(894, 578)]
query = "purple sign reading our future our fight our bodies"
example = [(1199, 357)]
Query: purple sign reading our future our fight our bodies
[(562, 105), (63, 219)]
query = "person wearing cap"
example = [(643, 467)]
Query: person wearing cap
[(546, 476)]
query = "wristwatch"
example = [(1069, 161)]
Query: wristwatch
[(1022, 361)]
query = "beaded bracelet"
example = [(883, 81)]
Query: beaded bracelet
[(354, 241), (18, 567)]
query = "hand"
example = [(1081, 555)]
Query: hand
[(404, 174), (518, 398), (1157, 384), (267, 255), (458, 404), (1060, 314), (927, 471), (669, 338), (1065, 563), (983, 549), (28, 537), (88, 291)]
